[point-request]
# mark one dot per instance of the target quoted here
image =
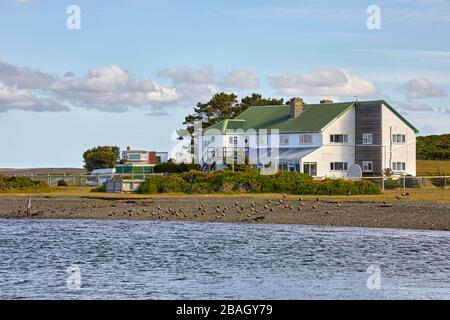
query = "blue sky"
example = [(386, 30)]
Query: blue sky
[(136, 68)]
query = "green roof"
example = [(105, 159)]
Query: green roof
[(313, 118)]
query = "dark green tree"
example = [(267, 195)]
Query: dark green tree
[(225, 106), (101, 157)]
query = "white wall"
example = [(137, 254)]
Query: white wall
[(335, 152), (405, 152)]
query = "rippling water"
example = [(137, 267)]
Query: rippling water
[(174, 260)]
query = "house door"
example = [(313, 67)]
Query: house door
[(310, 168)]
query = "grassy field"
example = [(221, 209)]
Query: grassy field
[(432, 167), (428, 194)]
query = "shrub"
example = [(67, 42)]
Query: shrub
[(62, 183), (252, 181), (170, 167), (18, 183), (99, 189), (389, 181)]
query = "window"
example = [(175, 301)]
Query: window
[(339, 138), (367, 138), (310, 168), (134, 157), (398, 138), (367, 166), (305, 139), (233, 140), (338, 166), (284, 140), (399, 166)]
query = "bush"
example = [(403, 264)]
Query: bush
[(170, 167), (389, 181), (252, 181), (99, 189), (62, 183), (20, 183)]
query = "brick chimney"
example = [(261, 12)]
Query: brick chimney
[(326, 101), (296, 107)]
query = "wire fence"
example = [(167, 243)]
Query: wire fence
[(384, 183)]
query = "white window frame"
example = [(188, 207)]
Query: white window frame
[(399, 138), (399, 166), (344, 166), (302, 138), (365, 165), (282, 138), (367, 138), (140, 155), (344, 138), (233, 140)]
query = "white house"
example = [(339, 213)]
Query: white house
[(322, 140)]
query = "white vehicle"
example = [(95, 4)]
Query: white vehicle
[(99, 176)]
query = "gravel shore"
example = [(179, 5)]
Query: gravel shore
[(320, 211)]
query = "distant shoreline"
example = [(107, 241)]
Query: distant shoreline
[(233, 209)]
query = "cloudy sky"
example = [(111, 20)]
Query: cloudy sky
[(135, 68)]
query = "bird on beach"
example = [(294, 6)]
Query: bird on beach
[(284, 196)]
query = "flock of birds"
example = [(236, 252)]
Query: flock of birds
[(253, 211)]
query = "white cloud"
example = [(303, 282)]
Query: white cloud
[(414, 105), (112, 88), (109, 88), (23, 77), (12, 98), (243, 79), (200, 84), (422, 88), (322, 82), (203, 75)]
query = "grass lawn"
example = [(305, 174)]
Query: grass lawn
[(420, 194), (432, 167)]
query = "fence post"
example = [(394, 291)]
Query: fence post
[(382, 183), (445, 182), (404, 182), (48, 179)]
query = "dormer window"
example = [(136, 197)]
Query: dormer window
[(305, 139)]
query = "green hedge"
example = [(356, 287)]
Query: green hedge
[(253, 182), (17, 183), (170, 167)]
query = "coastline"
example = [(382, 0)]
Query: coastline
[(404, 213)]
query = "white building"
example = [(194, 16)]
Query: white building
[(322, 140)]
